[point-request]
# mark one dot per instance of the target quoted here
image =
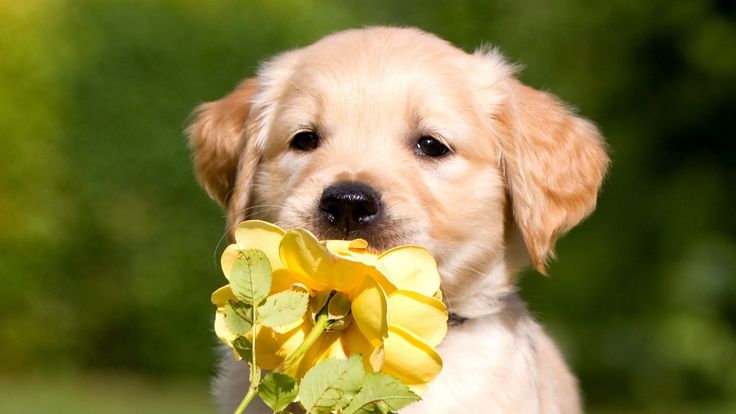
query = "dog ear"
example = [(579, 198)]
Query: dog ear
[(217, 138), (554, 164)]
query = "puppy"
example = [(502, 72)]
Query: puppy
[(395, 136)]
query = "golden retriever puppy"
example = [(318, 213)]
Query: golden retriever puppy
[(397, 137)]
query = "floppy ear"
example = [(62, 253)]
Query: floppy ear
[(554, 164), (217, 138)]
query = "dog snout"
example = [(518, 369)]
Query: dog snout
[(347, 206)]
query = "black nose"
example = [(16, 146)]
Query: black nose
[(349, 205)]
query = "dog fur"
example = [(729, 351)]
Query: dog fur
[(523, 169)]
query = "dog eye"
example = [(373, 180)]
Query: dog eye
[(431, 147), (305, 141)]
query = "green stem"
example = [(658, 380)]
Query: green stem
[(252, 392), (255, 373), (319, 327), (255, 378)]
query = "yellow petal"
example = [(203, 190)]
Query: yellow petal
[(228, 259), (355, 343), (409, 358), (345, 246), (286, 328), (225, 335), (222, 295), (333, 347), (257, 234), (354, 250), (329, 345), (418, 389), (273, 347), (282, 279), (411, 268), (315, 266), (382, 280), (370, 310), (424, 316)]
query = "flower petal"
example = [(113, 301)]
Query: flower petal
[(228, 259), (370, 310), (409, 358), (411, 268), (345, 246), (286, 328), (418, 389), (353, 250), (355, 343), (222, 295), (356, 250), (282, 279), (422, 315), (221, 330), (315, 266), (329, 345), (273, 347), (257, 234)]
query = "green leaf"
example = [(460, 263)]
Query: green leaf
[(277, 390), (237, 318), (283, 308), (250, 279), (380, 393), (330, 384), (244, 348)]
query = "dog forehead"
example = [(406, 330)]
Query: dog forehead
[(376, 82), (377, 59), (377, 76), (381, 45)]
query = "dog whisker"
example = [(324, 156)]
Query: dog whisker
[(230, 228)]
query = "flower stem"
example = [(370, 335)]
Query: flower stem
[(252, 392), (319, 328), (255, 372), (255, 378)]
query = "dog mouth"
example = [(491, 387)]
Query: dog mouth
[(380, 237)]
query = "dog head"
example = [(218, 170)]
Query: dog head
[(397, 137)]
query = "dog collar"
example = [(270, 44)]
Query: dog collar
[(453, 319)]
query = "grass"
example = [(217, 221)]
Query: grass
[(128, 394), (98, 393)]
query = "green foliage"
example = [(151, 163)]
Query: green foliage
[(277, 390), (238, 317), (244, 348), (283, 308), (107, 241), (331, 384), (380, 393), (93, 393), (337, 385), (250, 280)]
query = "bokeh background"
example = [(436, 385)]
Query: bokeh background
[(108, 248)]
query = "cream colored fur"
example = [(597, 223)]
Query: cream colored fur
[(524, 170)]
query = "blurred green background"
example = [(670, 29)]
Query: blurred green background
[(108, 248)]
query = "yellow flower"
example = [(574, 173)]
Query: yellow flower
[(388, 304)]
